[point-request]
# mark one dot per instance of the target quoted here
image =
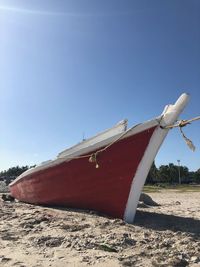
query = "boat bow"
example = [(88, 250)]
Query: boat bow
[(169, 116)]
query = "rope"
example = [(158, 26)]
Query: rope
[(181, 124), (187, 140), (93, 156)]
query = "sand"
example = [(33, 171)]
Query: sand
[(165, 235), (3, 187)]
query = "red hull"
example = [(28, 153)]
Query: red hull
[(79, 184)]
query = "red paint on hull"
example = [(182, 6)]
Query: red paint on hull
[(79, 184)]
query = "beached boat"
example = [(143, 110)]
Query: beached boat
[(105, 173)]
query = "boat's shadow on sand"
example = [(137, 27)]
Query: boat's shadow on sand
[(162, 222), (152, 220)]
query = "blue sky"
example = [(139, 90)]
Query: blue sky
[(70, 68)]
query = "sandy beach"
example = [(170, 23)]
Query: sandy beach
[(166, 235)]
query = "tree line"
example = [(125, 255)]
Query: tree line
[(10, 174), (172, 174), (164, 174)]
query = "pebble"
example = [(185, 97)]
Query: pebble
[(195, 259), (4, 259)]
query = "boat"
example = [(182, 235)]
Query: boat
[(105, 173)]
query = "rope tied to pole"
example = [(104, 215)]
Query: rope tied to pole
[(92, 157), (181, 124)]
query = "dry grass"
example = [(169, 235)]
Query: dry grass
[(177, 188)]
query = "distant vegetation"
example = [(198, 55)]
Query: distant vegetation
[(12, 173), (165, 174), (170, 174)]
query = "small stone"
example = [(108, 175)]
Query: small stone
[(178, 262), (147, 200), (4, 259), (195, 259)]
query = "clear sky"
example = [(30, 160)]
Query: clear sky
[(80, 66)]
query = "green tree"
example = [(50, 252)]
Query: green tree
[(153, 174), (12, 173), (164, 174), (197, 176), (185, 175)]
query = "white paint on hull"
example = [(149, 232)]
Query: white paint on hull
[(168, 117)]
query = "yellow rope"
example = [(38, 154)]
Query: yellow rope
[(93, 156), (187, 140), (182, 123)]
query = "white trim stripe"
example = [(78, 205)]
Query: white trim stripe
[(142, 172), (87, 149), (169, 116)]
